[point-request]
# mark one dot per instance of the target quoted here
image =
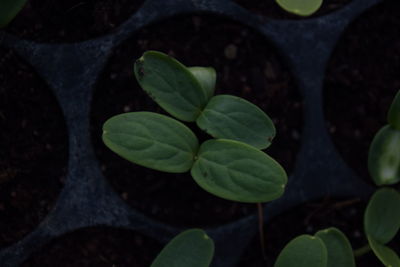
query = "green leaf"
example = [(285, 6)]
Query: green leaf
[(300, 7), (340, 252), (385, 254), (236, 171), (192, 248), (9, 9), (206, 77), (303, 251), (231, 117), (151, 140), (394, 112), (384, 156), (171, 85), (382, 215)]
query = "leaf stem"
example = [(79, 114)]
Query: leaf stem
[(361, 251), (261, 229)]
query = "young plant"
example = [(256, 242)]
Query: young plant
[(384, 152), (382, 216), (327, 248), (330, 247), (300, 7), (9, 9), (192, 248), (381, 224), (231, 166)]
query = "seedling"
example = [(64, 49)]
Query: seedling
[(9, 9), (300, 7), (382, 216), (384, 153), (330, 247), (231, 166)]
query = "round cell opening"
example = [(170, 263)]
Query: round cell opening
[(34, 148), (362, 78), (70, 20)]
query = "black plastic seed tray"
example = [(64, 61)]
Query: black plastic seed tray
[(87, 199)]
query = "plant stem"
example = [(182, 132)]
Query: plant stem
[(361, 251), (261, 229)]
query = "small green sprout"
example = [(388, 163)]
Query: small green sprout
[(327, 248), (192, 248), (330, 247), (300, 7), (381, 223), (384, 152), (382, 215), (9, 9), (231, 166)]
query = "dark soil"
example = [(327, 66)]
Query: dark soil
[(346, 215), (362, 79), (247, 66), (71, 20), (33, 149), (270, 9), (97, 246)]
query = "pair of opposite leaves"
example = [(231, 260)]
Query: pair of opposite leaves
[(231, 167)]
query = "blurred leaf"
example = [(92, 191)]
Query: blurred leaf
[(382, 215), (192, 248), (340, 252), (384, 156), (206, 77), (394, 112), (300, 7), (303, 251), (151, 140), (9, 9), (171, 85), (385, 254), (239, 172), (231, 117)]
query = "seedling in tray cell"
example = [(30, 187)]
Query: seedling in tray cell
[(231, 166), (381, 217)]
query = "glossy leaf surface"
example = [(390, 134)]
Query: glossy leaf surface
[(207, 78), (190, 248), (384, 156), (300, 7), (151, 140), (382, 215), (236, 171), (303, 251), (231, 117), (171, 85), (394, 112), (340, 252), (385, 254), (9, 9)]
